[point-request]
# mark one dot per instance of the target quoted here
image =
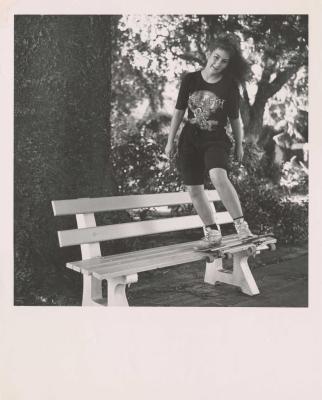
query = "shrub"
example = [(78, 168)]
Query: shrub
[(266, 206), (295, 177), (291, 222), (141, 167), (268, 211)]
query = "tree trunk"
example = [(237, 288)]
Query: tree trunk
[(255, 125), (62, 135), (253, 115)]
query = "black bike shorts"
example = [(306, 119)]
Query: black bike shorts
[(199, 151)]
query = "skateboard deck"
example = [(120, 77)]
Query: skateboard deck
[(248, 244)]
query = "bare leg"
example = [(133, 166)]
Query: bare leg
[(226, 191), (201, 203)]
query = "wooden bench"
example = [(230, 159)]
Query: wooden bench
[(121, 270)]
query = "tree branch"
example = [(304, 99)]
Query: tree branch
[(245, 106), (268, 89), (187, 57), (280, 80)]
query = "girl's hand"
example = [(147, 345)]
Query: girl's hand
[(169, 149), (239, 152)]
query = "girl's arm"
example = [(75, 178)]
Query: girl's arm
[(175, 123), (238, 130), (238, 133)]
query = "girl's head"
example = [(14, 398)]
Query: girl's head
[(225, 54)]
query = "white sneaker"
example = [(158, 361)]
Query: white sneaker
[(242, 229), (212, 238)]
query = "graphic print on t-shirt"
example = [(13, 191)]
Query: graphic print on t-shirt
[(203, 103)]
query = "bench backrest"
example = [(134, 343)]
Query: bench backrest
[(88, 233)]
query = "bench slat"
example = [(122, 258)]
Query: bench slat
[(132, 229), (160, 263), (100, 204), (141, 256), (161, 260), (86, 266), (148, 262)]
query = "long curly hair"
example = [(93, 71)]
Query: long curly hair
[(238, 68)]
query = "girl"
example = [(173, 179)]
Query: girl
[(211, 95)]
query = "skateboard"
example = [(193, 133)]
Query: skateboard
[(249, 244)]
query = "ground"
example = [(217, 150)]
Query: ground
[(281, 276)]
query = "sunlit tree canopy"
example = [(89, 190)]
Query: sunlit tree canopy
[(154, 50)]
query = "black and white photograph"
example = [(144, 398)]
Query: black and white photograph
[(160, 167), (161, 160)]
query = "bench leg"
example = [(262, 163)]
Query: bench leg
[(242, 275), (212, 268), (116, 295), (92, 291)]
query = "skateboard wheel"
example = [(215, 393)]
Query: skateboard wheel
[(228, 256), (221, 254), (250, 251), (210, 258), (272, 246)]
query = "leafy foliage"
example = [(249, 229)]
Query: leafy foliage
[(295, 177), (140, 164), (156, 49), (267, 206), (142, 168), (268, 211)]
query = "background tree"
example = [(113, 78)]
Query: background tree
[(153, 52), (277, 45), (62, 131)]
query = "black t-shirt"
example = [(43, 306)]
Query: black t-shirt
[(209, 104)]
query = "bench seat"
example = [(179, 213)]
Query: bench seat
[(153, 258), (137, 261)]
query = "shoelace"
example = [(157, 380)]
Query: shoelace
[(241, 225), (206, 238)]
